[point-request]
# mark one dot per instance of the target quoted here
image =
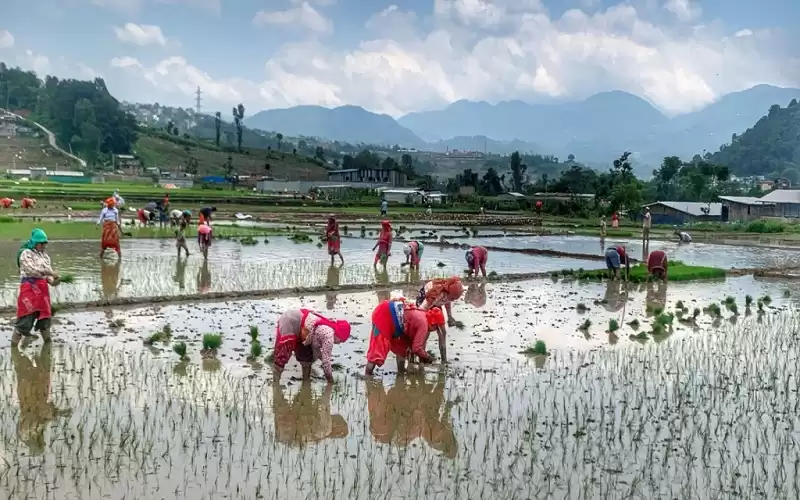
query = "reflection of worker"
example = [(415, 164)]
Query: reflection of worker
[(180, 273), (656, 296), (333, 279), (33, 391), (410, 410), (614, 298), (306, 419), (109, 278), (476, 295), (204, 278)]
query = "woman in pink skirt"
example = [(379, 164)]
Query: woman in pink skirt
[(310, 336)]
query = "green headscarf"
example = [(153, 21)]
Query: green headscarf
[(37, 236)]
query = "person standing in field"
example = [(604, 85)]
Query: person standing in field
[(36, 276), (657, 264), (539, 205), (647, 222), (615, 220), (384, 244), (110, 219), (334, 239), (477, 257), (615, 258), (205, 214), (441, 292), (310, 336), (180, 235), (413, 251), (384, 207), (603, 227)]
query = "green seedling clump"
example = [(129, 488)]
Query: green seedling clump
[(586, 324), (679, 305), (248, 240), (613, 325), (766, 299), (67, 278), (255, 351), (539, 348), (634, 323), (581, 307), (154, 338), (714, 311), (212, 342), (748, 300), (787, 293), (180, 349), (253, 333)]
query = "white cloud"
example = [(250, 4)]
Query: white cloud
[(6, 39), (744, 32), (303, 15), (124, 6), (140, 34), (505, 49), (210, 5), (126, 62), (32, 61), (684, 10)]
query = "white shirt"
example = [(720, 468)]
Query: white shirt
[(108, 214), (685, 238), (646, 223), (176, 214)]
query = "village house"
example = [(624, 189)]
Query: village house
[(682, 212)]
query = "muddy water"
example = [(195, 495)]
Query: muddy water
[(151, 268), (724, 256), (665, 420)]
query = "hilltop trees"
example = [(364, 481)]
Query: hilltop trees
[(238, 120), (217, 126)]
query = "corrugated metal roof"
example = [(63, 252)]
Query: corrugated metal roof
[(782, 196), (692, 208), (745, 200), (402, 191)]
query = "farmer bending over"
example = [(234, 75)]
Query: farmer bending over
[(615, 257)]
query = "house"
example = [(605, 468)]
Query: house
[(436, 198), (745, 208), (127, 164), (786, 201), (403, 195), (381, 176), (8, 126), (682, 212)]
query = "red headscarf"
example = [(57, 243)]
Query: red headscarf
[(435, 317), (333, 226), (450, 286), (110, 202)]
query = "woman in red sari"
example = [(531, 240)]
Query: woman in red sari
[(36, 276), (384, 244), (334, 239), (109, 218)]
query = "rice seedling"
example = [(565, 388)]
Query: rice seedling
[(179, 348), (248, 241), (787, 293), (255, 351), (679, 305), (67, 278), (634, 323), (714, 310), (613, 325), (729, 300), (154, 338), (748, 300), (581, 307), (587, 323), (253, 333), (766, 299), (641, 336), (539, 348), (211, 343)]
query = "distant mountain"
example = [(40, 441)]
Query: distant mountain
[(770, 148), (483, 144), (351, 124), (598, 128)]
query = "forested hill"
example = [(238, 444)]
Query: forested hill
[(770, 148)]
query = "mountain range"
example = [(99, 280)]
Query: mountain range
[(595, 129)]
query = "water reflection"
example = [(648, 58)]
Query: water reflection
[(413, 408), (109, 278), (656, 297), (615, 297), (180, 273), (204, 278), (33, 391), (306, 418), (476, 295), (333, 279)]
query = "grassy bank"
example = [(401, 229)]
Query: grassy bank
[(56, 230), (678, 271)]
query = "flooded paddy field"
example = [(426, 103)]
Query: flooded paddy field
[(710, 413), (700, 254), (151, 268)]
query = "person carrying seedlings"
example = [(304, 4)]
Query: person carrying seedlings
[(310, 336), (36, 276), (334, 239), (401, 328), (413, 251), (683, 236), (476, 260), (657, 264), (384, 244), (647, 222), (204, 238), (615, 258), (110, 219), (441, 292)]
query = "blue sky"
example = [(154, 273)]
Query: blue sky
[(403, 56)]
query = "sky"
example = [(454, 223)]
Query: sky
[(398, 56)]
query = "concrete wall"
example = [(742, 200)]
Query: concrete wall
[(744, 212)]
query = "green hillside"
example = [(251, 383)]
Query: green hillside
[(770, 148)]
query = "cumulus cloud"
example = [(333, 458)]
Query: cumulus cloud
[(508, 49), (6, 39), (124, 6), (140, 34), (32, 61), (303, 15)]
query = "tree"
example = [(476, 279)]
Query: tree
[(319, 153), (192, 165), (279, 136), (517, 169), (664, 176), (490, 184), (217, 126), (238, 120)]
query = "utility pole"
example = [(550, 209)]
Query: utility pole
[(198, 107)]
